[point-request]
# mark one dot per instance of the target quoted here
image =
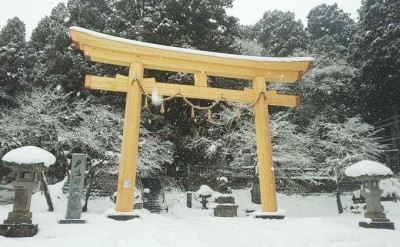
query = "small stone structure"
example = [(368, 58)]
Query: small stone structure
[(225, 206), (204, 193), (255, 192), (27, 162), (74, 207), (370, 173), (189, 199)]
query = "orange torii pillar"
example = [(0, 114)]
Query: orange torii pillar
[(138, 56), (130, 138)]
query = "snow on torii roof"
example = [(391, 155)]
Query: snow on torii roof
[(99, 47), (29, 155), (368, 168)]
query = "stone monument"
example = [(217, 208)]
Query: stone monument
[(225, 207), (74, 207), (27, 162), (225, 202), (370, 173)]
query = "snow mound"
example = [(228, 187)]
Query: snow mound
[(29, 155), (367, 168), (204, 190)]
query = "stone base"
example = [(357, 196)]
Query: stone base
[(378, 225), (271, 217), (225, 210), (123, 217), (71, 221), (18, 217), (278, 215), (18, 230)]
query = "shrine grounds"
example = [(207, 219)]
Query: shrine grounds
[(310, 221)]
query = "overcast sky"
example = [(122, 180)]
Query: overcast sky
[(248, 11)]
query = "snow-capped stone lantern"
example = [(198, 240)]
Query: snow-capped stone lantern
[(204, 192), (27, 162), (370, 173)]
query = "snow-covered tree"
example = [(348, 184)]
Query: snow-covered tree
[(330, 20), (12, 64), (233, 141), (380, 64), (342, 144), (280, 33), (65, 123)]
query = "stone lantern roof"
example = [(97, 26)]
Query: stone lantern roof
[(29, 155), (368, 168), (205, 191)]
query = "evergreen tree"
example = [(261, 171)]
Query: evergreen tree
[(52, 59), (280, 33), (198, 24), (332, 21), (380, 64), (12, 60), (378, 57)]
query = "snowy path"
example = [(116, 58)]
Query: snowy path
[(195, 227)]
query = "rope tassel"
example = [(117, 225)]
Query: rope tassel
[(209, 115), (146, 103), (162, 110), (192, 113)]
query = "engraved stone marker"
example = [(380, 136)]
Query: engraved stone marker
[(74, 208)]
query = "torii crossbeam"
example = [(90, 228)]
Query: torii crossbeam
[(98, 47)]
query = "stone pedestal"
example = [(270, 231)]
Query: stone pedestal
[(18, 230), (123, 217), (270, 217), (225, 207), (278, 215), (225, 210), (379, 225)]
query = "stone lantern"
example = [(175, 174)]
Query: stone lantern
[(370, 173), (27, 162), (204, 192)]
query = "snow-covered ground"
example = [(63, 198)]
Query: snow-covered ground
[(310, 221)]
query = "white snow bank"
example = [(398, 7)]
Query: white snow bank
[(29, 155), (310, 221), (367, 168)]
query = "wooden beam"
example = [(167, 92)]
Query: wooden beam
[(113, 50), (200, 79), (120, 83), (178, 65)]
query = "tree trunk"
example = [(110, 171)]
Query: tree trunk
[(45, 189), (396, 139), (87, 195), (338, 200)]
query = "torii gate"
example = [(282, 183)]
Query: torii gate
[(98, 47)]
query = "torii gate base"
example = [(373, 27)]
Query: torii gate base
[(138, 56)]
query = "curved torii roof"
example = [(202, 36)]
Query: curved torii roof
[(109, 49)]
